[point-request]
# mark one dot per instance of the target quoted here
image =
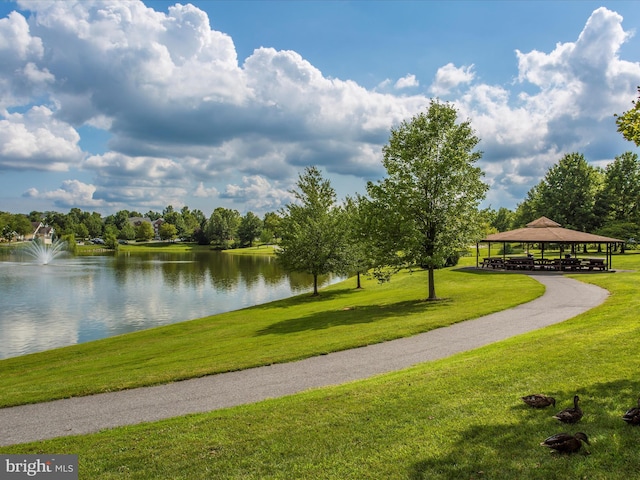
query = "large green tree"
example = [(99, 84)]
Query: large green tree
[(313, 229), (94, 224), (619, 198), (193, 221), (360, 251), (144, 232), (271, 224), (249, 229), (222, 227), (176, 219), (14, 224), (168, 231), (567, 193), (426, 209), (629, 122)]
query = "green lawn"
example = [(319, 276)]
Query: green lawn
[(457, 418), (162, 246), (258, 250)]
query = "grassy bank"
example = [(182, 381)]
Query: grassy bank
[(342, 317), (259, 250), (457, 418), (163, 247)]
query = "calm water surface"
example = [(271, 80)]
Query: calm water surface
[(78, 299)]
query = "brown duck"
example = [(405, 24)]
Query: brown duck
[(565, 443), (570, 415), (632, 416), (538, 400)]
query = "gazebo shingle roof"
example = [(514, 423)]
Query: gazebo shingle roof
[(546, 230)]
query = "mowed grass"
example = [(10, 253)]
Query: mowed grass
[(341, 317), (456, 418)]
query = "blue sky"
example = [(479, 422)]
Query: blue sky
[(111, 105)]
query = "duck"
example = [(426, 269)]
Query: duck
[(570, 415), (538, 400), (632, 416), (566, 443)]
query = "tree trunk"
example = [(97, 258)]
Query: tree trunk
[(432, 285), (315, 284), (359, 285)]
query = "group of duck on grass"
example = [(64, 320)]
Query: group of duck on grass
[(565, 442)]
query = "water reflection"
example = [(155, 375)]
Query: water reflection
[(78, 299)]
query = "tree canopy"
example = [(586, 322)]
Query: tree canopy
[(567, 193), (222, 228), (426, 209), (629, 122), (249, 229), (312, 229), (619, 199)]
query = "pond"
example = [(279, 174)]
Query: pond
[(75, 299)]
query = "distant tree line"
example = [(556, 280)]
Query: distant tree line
[(225, 228)]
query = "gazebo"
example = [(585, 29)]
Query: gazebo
[(544, 231)]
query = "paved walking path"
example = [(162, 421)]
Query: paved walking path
[(564, 298)]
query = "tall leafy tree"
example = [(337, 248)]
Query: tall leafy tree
[(360, 249), (191, 222), (222, 227), (128, 232), (144, 231), (14, 224), (271, 226), (94, 224), (119, 219), (426, 208), (176, 219), (619, 199), (313, 229), (249, 229), (168, 231), (503, 220), (568, 192), (629, 122)]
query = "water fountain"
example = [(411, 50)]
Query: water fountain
[(44, 253)]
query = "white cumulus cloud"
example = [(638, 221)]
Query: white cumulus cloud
[(408, 81), (36, 140), (72, 193), (450, 77), (203, 192), (258, 193)]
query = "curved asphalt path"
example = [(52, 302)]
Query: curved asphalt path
[(564, 298)]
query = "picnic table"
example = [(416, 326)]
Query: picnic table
[(591, 263), (568, 263), (545, 263), (518, 263), (492, 262)]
